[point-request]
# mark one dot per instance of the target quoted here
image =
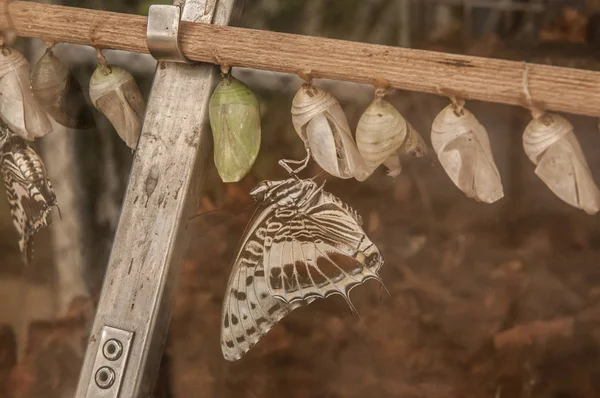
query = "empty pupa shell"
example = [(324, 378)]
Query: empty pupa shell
[(114, 92), (464, 150), (56, 89), (235, 121), (382, 135), (550, 143), (321, 123), (381, 130), (413, 144), (18, 107)]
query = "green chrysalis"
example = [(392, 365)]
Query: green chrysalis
[(235, 121)]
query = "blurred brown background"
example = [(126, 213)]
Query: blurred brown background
[(496, 301)]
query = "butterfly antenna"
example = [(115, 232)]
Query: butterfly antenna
[(285, 163), (204, 213), (227, 221), (59, 212)]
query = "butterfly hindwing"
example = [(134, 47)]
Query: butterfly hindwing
[(319, 251)]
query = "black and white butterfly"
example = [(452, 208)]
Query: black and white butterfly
[(304, 244), (28, 190)]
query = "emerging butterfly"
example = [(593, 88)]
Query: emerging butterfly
[(304, 244), (28, 190)]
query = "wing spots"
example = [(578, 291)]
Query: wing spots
[(263, 295), (285, 213), (234, 319), (274, 226), (259, 273), (249, 262), (240, 339), (268, 241), (275, 280), (254, 248), (261, 320), (226, 321), (261, 233), (251, 330), (229, 344), (249, 280), (240, 296), (274, 309), (252, 305), (373, 260)]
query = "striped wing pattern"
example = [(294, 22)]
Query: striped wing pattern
[(318, 252), (304, 244), (28, 190)]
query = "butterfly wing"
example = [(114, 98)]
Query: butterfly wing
[(249, 311), (318, 251)]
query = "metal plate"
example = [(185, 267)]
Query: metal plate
[(110, 363)]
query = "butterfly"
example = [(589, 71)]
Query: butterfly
[(304, 244), (28, 189)]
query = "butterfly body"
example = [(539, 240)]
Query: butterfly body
[(28, 189), (304, 244)]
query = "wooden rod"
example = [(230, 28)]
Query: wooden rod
[(552, 88)]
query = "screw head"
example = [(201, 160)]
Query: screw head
[(105, 377), (112, 349)]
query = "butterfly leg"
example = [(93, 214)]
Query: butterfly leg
[(285, 163)]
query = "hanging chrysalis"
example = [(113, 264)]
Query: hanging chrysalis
[(235, 121), (114, 92), (56, 89), (18, 107), (550, 143), (383, 135), (464, 150), (320, 122)]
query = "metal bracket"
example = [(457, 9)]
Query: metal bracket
[(110, 363), (162, 34)]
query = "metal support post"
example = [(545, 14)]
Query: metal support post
[(133, 315)]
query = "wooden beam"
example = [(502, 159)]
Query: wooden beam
[(492, 80)]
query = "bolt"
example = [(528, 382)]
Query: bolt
[(105, 377), (112, 349)]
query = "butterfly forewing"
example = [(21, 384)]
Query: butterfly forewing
[(249, 311), (305, 244)]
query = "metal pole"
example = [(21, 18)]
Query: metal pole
[(133, 315)]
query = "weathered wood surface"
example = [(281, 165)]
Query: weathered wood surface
[(553, 88)]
